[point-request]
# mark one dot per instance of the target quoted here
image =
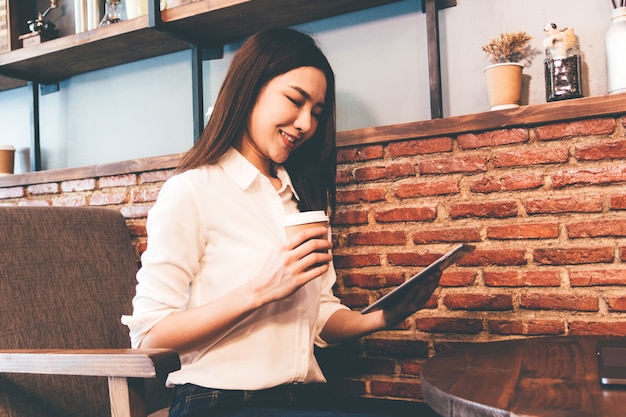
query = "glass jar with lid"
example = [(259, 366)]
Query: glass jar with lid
[(562, 64)]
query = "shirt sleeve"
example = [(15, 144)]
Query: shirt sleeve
[(329, 303), (175, 244)]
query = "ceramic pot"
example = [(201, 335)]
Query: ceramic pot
[(504, 85)]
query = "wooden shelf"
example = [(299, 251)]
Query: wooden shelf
[(8, 83), (206, 22), (557, 112), (61, 58), (214, 23)]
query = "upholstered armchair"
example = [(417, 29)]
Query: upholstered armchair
[(67, 275)]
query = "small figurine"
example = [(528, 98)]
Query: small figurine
[(40, 25), (40, 29), (558, 41)]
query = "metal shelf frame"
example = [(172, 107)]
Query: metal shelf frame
[(200, 53)]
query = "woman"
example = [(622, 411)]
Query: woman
[(219, 282)]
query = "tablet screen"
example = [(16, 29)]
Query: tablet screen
[(439, 265)]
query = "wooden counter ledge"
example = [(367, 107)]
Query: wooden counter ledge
[(567, 110)]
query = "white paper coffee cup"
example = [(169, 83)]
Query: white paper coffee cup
[(297, 222)]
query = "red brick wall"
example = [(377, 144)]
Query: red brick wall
[(545, 206)]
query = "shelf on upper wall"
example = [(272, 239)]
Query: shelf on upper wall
[(205, 22), (61, 58), (8, 83), (214, 23)]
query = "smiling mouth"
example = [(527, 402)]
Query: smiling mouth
[(288, 138)]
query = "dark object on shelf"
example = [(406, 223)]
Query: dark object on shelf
[(46, 30), (563, 78), (112, 12)]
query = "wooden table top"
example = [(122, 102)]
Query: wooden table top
[(539, 377)]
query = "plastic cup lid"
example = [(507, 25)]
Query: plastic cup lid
[(305, 217), (6, 148)]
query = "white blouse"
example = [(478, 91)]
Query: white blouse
[(210, 231)]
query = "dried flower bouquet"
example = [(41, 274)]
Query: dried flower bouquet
[(508, 47)]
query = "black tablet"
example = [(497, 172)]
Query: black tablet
[(439, 265)]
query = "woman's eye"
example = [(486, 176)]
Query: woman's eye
[(295, 101), (301, 103)]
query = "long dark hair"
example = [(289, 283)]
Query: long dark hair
[(262, 57)]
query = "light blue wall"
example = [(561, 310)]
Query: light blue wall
[(379, 56)]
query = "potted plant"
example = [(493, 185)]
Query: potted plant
[(504, 75)]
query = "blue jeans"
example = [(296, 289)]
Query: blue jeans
[(194, 401)]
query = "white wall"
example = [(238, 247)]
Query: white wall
[(472, 23), (379, 56)]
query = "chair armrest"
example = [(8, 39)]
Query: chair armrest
[(125, 369), (128, 363)]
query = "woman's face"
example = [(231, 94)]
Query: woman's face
[(285, 115)]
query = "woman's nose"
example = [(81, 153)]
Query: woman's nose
[(304, 122)]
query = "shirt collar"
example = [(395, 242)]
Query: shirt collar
[(244, 173)]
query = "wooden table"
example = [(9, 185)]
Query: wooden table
[(542, 377)]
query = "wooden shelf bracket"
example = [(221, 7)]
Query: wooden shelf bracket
[(431, 8)]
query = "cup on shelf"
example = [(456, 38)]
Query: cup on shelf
[(7, 159), (136, 8)]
